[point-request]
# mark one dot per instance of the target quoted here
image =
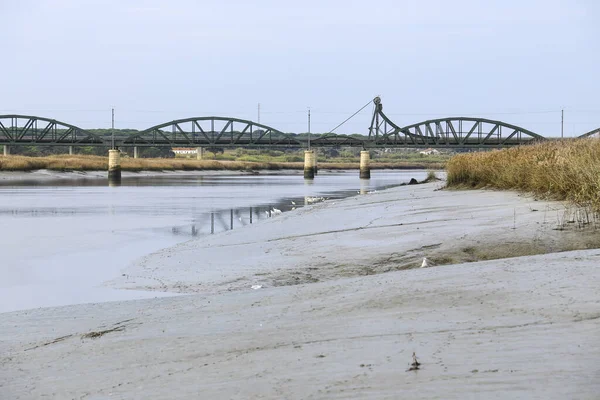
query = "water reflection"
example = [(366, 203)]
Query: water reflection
[(222, 220), (228, 219), (113, 182)]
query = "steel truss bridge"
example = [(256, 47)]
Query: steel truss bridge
[(450, 132)]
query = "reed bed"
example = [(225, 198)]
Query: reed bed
[(561, 169), (98, 163)]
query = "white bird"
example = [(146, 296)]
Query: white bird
[(427, 263), (276, 211), (293, 203), (311, 200)]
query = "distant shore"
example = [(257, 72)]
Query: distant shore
[(98, 163)]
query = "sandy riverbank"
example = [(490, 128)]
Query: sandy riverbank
[(363, 235), (340, 311)]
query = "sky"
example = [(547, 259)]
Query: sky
[(521, 61)]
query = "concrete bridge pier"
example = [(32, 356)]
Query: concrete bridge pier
[(114, 166), (135, 152), (70, 150), (309, 164), (365, 169), (6, 150), (199, 153)]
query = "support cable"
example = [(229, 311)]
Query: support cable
[(350, 117)]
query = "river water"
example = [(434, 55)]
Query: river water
[(59, 240)]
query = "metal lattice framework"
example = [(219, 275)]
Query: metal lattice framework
[(446, 132), (26, 129), (211, 131), (595, 132), (451, 132)]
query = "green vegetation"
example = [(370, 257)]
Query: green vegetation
[(404, 159), (563, 170), (55, 157)]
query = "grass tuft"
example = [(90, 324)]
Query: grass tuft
[(431, 177)]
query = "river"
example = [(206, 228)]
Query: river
[(61, 239)]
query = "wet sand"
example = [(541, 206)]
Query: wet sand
[(340, 311), (362, 235)]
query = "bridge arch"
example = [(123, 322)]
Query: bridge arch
[(591, 133), (212, 131), (448, 132), (28, 129)]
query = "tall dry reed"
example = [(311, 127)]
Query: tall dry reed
[(561, 169)]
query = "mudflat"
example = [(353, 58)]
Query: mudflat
[(342, 306)]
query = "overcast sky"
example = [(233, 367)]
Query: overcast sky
[(519, 61)]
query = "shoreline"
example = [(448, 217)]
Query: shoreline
[(49, 175), (355, 237), (341, 307)]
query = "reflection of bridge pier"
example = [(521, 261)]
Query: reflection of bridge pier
[(217, 221), (364, 187)]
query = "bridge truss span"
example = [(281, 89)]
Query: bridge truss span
[(26, 129), (211, 132), (593, 133), (447, 132)]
